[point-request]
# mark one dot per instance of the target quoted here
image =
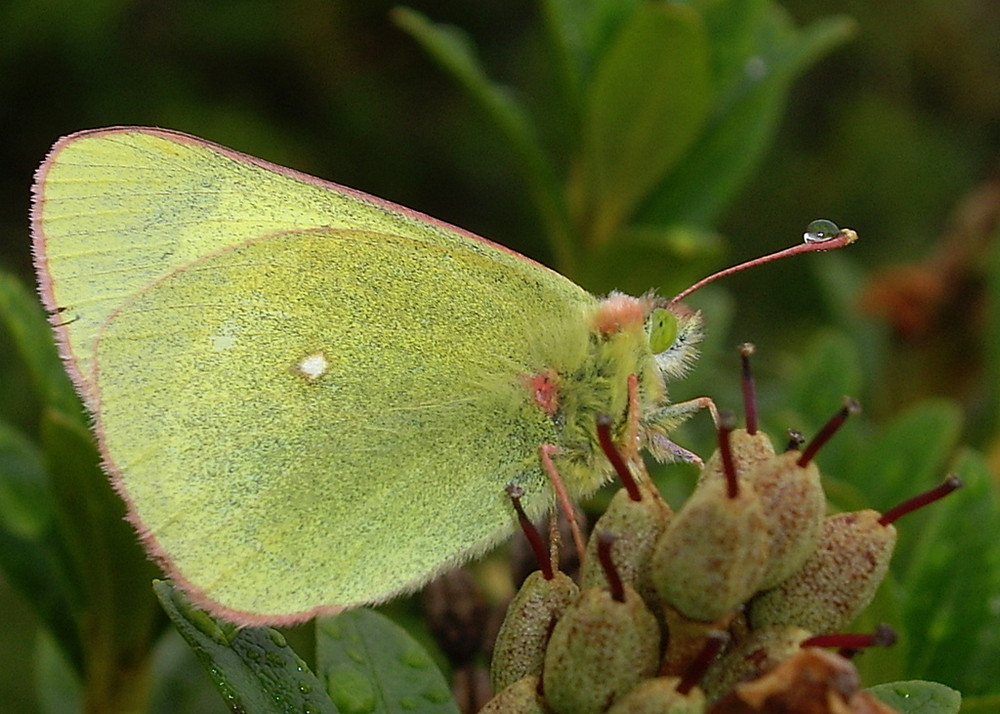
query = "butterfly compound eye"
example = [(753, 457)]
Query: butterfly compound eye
[(662, 330)]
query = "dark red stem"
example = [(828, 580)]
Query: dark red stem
[(850, 643), (604, 423), (714, 642), (950, 484), (727, 422), (604, 542), (530, 532), (749, 388), (851, 406)]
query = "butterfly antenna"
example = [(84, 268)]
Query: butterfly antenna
[(821, 235)]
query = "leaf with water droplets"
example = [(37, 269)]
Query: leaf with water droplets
[(919, 697), (372, 666), (253, 668)]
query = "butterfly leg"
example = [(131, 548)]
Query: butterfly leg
[(684, 409), (676, 452), (664, 421), (546, 452)]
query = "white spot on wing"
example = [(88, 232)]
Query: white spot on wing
[(224, 338), (313, 366)]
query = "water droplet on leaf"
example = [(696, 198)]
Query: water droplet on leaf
[(756, 68), (350, 691), (437, 695), (414, 657)]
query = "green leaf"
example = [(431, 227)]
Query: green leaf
[(647, 102), (952, 583), (989, 704), (991, 377), (744, 119), (179, 685), (106, 553), (734, 28), (57, 685), (909, 455), (665, 259), (26, 509), (581, 32), (71, 551), (24, 319), (840, 279), (829, 371), (32, 553), (455, 53), (884, 664), (563, 33), (600, 21), (116, 614), (918, 697), (370, 664), (254, 669)]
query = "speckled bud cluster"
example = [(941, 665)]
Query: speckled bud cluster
[(750, 556)]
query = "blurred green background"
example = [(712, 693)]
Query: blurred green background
[(895, 133), (887, 134)]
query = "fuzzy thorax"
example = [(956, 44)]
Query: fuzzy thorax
[(642, 336)]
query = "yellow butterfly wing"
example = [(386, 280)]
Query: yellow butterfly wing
[(117, 208), (309, 399), (326, 418)]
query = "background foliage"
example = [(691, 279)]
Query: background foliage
[(894, 133)]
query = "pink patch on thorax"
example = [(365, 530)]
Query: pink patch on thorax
[(545, 391), (618, 312)]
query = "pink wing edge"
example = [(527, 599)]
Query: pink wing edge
[(84, 384)]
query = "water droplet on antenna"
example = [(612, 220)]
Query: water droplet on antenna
[(820, 230)]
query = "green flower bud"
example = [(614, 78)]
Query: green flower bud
[(636, 526), (794, 504), (520, 644), (748, 451), (714, 553), (837, 581), (791, 495), (600, 649), (660, 696), (521, 697)]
